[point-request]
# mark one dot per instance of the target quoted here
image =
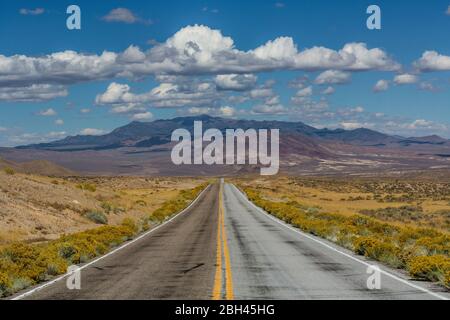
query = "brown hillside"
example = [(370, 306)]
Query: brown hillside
[(39, 167)]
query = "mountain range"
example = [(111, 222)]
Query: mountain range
[(143, 148), (148, 134)]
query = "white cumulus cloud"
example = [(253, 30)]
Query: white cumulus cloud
[(305, 92), (381, 85), (225, 111), (328, 91), (124, 15), (165, 95), (32, 93), (333, 77), (433, 61), (91, 132), (32, 12), (142, 116), (47, 112), (235, 82), (405, 78), (269, 109)]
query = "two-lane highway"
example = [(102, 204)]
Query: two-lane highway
[(223, 247)]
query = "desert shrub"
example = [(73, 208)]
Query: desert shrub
[(107, 207), (25, 261), (411, 214), (9, 171), (29, 264), (90, 187), (20, 284), (346, 236), (130, 224), (87, 187), (380, 250), (5, 283), (97, 217), (118, 210), (435, 268), (52, 261), (312, 210), (58, 206), (435, 245), (66, 251), (140, 202), (171, 207)]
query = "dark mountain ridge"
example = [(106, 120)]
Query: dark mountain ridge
[(158, 132)]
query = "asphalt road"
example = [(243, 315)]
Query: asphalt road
[(223, 247)]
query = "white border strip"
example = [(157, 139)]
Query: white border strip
[(336, 250), (126, 244)]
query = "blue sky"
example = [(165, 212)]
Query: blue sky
[(310, 61)]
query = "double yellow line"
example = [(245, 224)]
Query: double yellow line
[(223, 257)]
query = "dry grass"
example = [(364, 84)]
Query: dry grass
[(37, 208), (372, 198)]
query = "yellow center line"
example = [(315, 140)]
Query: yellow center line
[(217, 291), (229, 276), (222, 240)]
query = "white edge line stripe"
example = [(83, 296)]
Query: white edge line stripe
[(126, 244), (336, 250)]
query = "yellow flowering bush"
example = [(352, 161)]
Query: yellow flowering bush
[(173, 206), (5, 283), (435, 268), (9, 171)]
